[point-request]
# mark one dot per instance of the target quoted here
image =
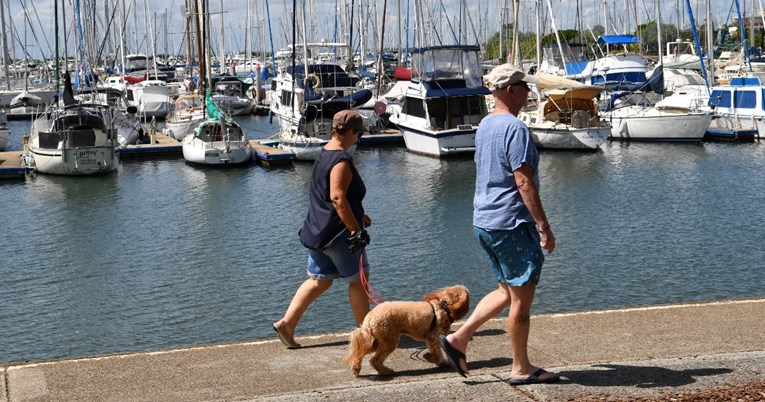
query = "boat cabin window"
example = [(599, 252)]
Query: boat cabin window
[(449, 113), (719, 99), (413, 107), (745, 99), (286, 98)]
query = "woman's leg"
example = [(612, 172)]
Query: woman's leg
[(305, 295)]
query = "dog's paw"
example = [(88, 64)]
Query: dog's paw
[(385, 371), (432, 358)]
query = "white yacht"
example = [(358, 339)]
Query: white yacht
[(444, 102)]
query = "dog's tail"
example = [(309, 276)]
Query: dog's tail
[(361, 344)]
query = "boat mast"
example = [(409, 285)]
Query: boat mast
[(222, 56), (516, 46), (659, 43), (151, 37), (539, 34), (122, 39), (380, 69), (189, 58), (26, 58), (557, 37), (398, 33), (248, 52), (201, 52), (710, 44), (5, 44)]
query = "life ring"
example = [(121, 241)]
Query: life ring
[(315, 78)]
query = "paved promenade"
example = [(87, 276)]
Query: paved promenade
[(616, 354)]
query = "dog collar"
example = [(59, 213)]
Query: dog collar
[(433, 321), (445, 306)]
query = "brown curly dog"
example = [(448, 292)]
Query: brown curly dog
[(421, 320)]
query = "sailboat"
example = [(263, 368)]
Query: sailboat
[(73, 139), (218, 140), (641, 120), (567, 117), (188, 113)]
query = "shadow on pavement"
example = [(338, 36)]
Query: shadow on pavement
[(637, 376)]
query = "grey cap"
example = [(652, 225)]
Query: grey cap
[(506, 74)]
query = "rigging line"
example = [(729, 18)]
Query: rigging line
[(449, 22), (106, 34), (37, 16)]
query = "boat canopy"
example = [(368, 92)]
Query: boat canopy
[(581, 98), (455, 62), (617, 40), (188, 101)]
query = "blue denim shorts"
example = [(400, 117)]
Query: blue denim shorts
[(515, 255), (334, 261)]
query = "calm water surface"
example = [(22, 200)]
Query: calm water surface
[(163, 255)]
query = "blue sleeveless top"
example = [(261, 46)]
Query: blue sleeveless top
[(323, 224)]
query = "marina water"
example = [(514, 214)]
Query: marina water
[(165, 255)]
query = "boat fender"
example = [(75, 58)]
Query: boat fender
[(623, 128)]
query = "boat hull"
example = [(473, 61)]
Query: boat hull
[(663, 127), (179, 129), (216, 152), (76, 161), (439, 144), (570, 138)]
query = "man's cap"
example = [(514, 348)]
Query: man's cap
[(348, 119), (505, 75)]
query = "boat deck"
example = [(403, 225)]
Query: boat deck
[(267, 153), (10, 166), (164, 146)]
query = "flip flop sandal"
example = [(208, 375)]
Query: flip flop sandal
[(452, 355)]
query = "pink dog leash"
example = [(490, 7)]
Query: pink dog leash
[(374, 297)]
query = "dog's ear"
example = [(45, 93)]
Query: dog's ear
[(458, 299), (435, 295)]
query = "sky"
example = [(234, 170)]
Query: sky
[(480, 20)]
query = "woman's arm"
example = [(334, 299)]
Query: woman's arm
[(339, 180)]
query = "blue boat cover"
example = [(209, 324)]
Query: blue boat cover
[(617, 39), (745, 82), (441, 88), (576, 67)]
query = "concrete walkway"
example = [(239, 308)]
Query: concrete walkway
[(617, 354)]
